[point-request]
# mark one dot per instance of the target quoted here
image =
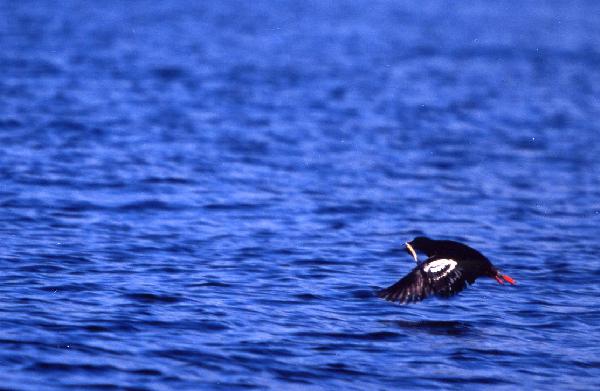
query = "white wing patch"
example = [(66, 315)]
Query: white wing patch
[(439, 265)]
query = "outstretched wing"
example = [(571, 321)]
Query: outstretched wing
[(439, 276)]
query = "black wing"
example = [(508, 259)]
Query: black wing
[(436, 276)]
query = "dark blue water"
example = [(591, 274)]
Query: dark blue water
[(207, 196)]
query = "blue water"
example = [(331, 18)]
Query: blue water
[(207, 196)]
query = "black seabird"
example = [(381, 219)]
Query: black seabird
[(450, 267)]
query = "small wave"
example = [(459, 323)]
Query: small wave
[(234, 206), (148, 205), (373, 336), (307, 296), (151, 298), (46, 366), (74, 287)]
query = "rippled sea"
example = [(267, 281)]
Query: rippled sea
[(207, 195)]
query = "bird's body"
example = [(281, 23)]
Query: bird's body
[(450, 268)]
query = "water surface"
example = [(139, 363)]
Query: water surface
[(207, 196)]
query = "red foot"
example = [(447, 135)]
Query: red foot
[(508, 279)]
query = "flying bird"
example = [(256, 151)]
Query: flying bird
[(450, 267)]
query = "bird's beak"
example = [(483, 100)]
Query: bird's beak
[(412, 251), (503, 277)]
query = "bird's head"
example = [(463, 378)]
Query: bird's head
[(420, 244)]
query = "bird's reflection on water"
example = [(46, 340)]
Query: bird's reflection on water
[(435, 327)]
